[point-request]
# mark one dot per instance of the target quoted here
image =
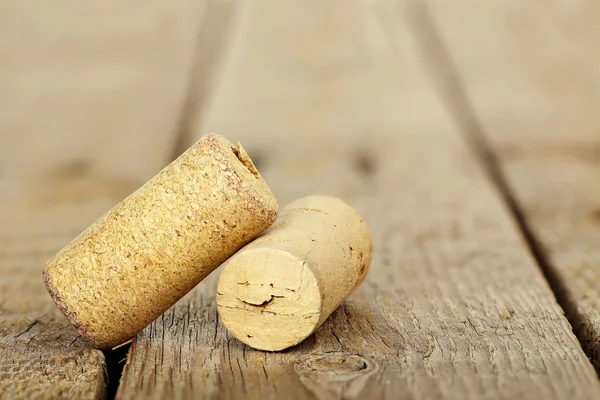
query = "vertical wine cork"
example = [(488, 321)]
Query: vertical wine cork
[(280, 288), (136, 261)]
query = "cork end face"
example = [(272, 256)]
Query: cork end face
[(244, 158), (65, 309), (53, 284), (260, 196), (269, 299)]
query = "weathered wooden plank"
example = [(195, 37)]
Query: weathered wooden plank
[(41, 355), (89, 103), (93, 80), (329, 100), (534, 85)]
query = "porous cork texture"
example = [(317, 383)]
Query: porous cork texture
[(137, 260), (281, 287)]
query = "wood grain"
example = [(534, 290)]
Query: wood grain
[(89, 104), (534, 87), (330, 98)]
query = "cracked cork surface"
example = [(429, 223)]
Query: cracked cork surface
[(142, 256), (277, 290)]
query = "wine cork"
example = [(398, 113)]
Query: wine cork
[(136, 261), (281, 287)]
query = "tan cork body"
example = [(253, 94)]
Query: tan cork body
[(281, 287), (137, 260)]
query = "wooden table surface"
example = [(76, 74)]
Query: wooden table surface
[(466, 133)]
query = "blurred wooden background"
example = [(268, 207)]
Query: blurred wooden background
[(466, 132)]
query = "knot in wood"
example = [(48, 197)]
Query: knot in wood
[(339, 364)]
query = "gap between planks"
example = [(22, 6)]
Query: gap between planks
[(213, 40)]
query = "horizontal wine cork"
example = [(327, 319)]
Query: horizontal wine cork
[(281, 287), (136, 261)]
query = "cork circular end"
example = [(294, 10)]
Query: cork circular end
[(71, 315), (255, 190), (269, 299)]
